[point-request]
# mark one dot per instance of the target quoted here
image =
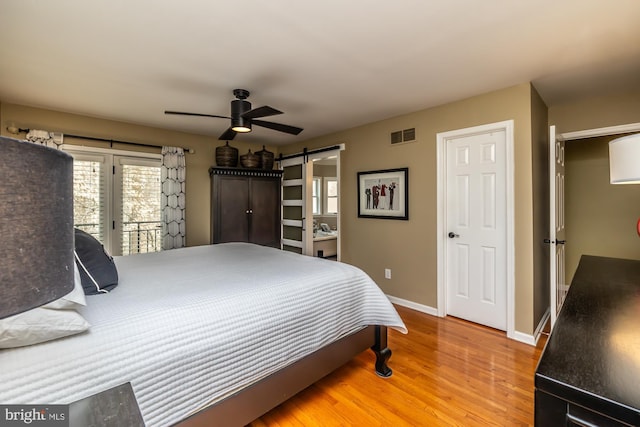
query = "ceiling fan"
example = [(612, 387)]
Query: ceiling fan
[(242, 117)]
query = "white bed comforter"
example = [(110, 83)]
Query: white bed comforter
[(190, 326)]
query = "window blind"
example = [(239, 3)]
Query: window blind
[(89, 196)]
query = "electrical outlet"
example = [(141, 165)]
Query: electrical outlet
[(387, 273)]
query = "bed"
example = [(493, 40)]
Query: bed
[(219, 332)]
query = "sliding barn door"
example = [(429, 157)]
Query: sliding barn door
[(297, 216)]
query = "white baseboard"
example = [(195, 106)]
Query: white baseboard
[(532, 339), (414, 305), (517, 336), (524, 338)]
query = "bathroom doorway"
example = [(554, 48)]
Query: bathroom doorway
[(325, 204), (311, 202)]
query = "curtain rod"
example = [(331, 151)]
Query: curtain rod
[(306, 153), (110, 141), (115, 141)]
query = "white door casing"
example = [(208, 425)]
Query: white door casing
[(475, 204)]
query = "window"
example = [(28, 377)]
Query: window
[(117, 199), (137, 202), (331, 198), (316, 194)]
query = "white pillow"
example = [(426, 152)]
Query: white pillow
[(74, 298), (50, 321)]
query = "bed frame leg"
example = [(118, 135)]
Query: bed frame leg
[(382, 352)]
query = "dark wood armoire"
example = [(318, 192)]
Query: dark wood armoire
[(245, 206)]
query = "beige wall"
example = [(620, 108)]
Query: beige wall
[(540, 156), (408, 248), (596, 112), (600, 217), (198, 164)]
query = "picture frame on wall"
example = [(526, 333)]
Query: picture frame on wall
[(384, 194)]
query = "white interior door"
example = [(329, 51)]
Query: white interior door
[(558, 285), (476, 228)]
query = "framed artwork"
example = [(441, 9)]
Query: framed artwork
[(384, 194)]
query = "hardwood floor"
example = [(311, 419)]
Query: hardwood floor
[(446, 372)]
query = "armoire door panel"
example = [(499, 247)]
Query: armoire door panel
[(265, 212), (232, 207)]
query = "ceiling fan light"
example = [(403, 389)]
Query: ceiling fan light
[(624, 160), (238, 123), (241, 129)]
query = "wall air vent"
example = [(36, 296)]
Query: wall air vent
[(396, 137), (406, 135)]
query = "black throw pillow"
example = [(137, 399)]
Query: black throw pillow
[(97, 269)]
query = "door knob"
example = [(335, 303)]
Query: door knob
[(453, 235), (560, 242)]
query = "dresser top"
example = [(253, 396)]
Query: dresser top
[(592, 356)]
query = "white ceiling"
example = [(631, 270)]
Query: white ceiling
[(328, 65)]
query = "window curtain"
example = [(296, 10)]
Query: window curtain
[(173, 174), (44, 138)]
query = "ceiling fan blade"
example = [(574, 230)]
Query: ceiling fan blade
[(228, 135), (181, 113), (278, 126), (261, 112)]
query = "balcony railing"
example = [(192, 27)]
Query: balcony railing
[(137, 236), (141, 237)]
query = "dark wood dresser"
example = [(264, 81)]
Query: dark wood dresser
[(589, 372), (245, 206)]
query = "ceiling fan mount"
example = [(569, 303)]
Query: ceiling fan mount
[(241, 93), (243, 117)]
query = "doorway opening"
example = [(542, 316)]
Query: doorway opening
[(325, 207), (311, 202), (591, 196)]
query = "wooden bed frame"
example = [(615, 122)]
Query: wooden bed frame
[(249, 404)]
